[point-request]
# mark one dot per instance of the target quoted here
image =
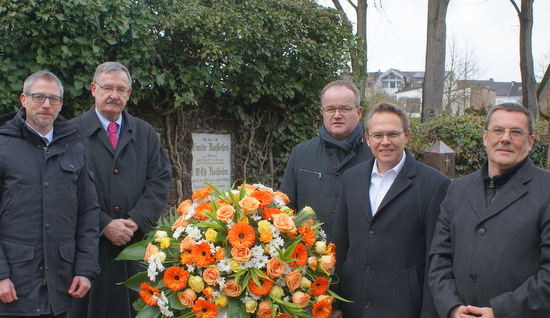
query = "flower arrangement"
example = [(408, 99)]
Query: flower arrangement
[(241, 251)]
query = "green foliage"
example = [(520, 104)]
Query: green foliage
[(464, 135)]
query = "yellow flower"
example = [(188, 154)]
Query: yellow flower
[(196, 283), (164, 242), (160, 235), (244, 219), (305, 283), (277, 292), (263, 225), (161, 256), (287, 210), (235, 266), (308, 210), (210, 235), (321, 247), (265, 236), (221, 301), (250, 306)]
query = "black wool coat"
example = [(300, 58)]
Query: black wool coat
[(381, 261), (132, 181)]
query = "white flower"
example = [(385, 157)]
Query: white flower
[(322, 235), (224, 266), (194, 233), (191, 211), (190, 268), (278, 202), (257, 251), (261, 261), (256, 217), (178, 231), (221, 282), (152, 268), (162, 303)]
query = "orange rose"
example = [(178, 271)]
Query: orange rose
[(312, 263), (264, 309), (284, 223), (248, 188), (301, 299), (220, 254), (327, 262), (268, 191), (225, 213), (275, 268), (211, 275), (187, 297), (208, 292), (183, 208), (329, 299), (281, 196), (249, 205), (181, 221), (241, 254), (187, 244), (308, 223), (150, 250), (186, 258), (231, 289), (293, 280)]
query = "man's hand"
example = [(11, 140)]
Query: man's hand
[(7, 291), (472, 311), (79, 286), (131, 224), (118, 231), (336, 314)]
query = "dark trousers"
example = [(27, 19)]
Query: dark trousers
[(62, 315)]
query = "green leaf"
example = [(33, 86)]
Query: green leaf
[(149, 312), (135, 281), (133, 252)]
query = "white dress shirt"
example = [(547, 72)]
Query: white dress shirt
[(381, 183)]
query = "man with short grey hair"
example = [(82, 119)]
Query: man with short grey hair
[(133, 180)]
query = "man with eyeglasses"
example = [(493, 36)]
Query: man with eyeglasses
[(314, 171), (134, 176), (384, 224), (48, 207), (491, 251)]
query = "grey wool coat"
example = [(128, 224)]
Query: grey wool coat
[(381, 260), (133, 181), (48, 216), (498, 256)]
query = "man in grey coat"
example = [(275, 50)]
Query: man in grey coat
[(314, 171), (491, 251), (133, 181), (48, 207)]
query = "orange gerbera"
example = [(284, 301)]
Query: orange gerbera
[(201, 193), (202, 207), (300, 253), (264, 289), (322, 309), (283, 316), (202, 255), (267, 214), (264, 198), (319, 286), (175, 278), (186, 258), (147, 293), (220, 254), (307, 235), (205, 309), (241, 234)]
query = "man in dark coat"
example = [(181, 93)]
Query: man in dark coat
[(314, 171), (384, 222), (48, 207), (491, 251), (133, 181)]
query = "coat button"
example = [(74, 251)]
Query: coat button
[(371, 234), (47, 226), (46, 184), (472, 277), (368, 305), (481, 231), (115, 171), (368, 270), (116, 209)]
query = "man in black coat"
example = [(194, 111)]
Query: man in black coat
[(48, 207), (314, 171), (133, 181), (490, 255), (384, 223)]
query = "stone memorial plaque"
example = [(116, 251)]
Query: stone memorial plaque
[(211, 160)]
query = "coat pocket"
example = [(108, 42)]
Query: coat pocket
[(20, 258), (65, 269), (415, 289)]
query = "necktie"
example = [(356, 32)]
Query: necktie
[(112, 134)]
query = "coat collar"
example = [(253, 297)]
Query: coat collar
[(401, 183), (94, 126), (508, 194)]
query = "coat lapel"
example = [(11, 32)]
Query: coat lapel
[(477, 201), (364, 185), (126, 133), (94, 126)]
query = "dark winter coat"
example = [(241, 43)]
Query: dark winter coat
[(313, 176), (133, 181), (48, 216), (381, 260), (496, 256)]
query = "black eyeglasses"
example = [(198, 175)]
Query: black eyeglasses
[(119, 90), (344, 110), (40, 98), (514, 133), (392, 136)]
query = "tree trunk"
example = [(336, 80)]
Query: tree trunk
[(434, 77), (528, 82)]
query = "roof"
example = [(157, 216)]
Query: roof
[(501, 88)]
